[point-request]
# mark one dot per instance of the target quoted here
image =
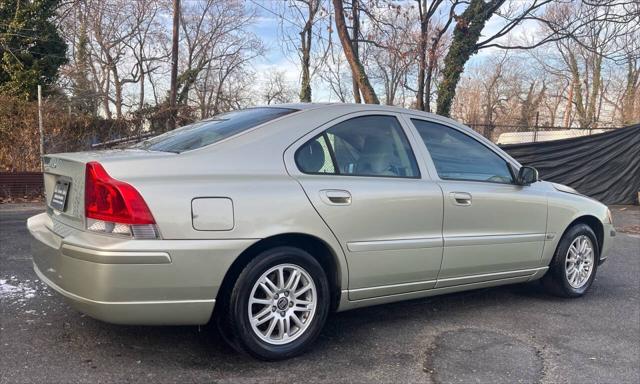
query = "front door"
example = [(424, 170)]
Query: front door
[(492, 228), (362, 177)]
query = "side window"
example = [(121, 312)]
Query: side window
[(362, 146), (314, 157), (458, 156)]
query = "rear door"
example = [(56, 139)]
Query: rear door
[(361, 175), (492, 227)]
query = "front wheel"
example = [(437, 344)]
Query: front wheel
[(279, 303), (574, 264)]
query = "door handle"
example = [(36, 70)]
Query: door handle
[(461, 198), (335, 196)]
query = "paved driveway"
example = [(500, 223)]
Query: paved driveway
[(498, 335)]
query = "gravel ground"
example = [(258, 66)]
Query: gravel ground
[(499, 335)]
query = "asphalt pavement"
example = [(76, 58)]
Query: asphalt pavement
[(499, 335)]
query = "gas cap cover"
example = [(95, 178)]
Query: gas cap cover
[(212, 214)]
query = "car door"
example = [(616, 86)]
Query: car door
[(361, 175), (492, 228)]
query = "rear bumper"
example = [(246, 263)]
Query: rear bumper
[(146, 282)]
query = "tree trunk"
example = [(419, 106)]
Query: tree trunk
[(431, 66), (595, 91), (569, 108), (173, 92), (577, 91), (422, 65), (305, 90), (141, 66), (105, 96), (629, 100), (355, 26), (463, 45), (118, 91), (357, 70)]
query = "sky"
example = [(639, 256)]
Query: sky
[(267, 26)]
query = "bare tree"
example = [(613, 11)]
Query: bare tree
[(494, 95), (276, 89), (336, 74), (393, 52), (173, 90), (214, 31), (306, 37), (431, 34), (148, 44), (113, 26), (301, 23), (357, 69)]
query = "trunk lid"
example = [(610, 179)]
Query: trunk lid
[(66, 171)]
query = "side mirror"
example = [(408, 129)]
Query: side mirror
[(527, 175)]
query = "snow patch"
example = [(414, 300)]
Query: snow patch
[(14, 291)]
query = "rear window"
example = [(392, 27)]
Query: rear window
[(212, 130)]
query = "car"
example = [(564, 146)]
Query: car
[(265, 220)]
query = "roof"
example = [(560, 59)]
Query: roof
[(350, 106)]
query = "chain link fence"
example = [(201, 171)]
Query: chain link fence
[(517, 134)]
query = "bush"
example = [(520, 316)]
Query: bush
[(64, 131)]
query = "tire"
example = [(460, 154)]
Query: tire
[(564, 278), (303, 315)]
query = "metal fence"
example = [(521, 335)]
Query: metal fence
[(21, 185), (516, 134)]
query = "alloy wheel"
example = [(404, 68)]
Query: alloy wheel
[(282, 304), (579, 261)]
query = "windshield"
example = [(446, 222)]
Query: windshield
[(212, 130)]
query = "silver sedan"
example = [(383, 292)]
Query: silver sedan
[(267, 219)]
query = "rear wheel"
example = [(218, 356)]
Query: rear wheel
[(279, 304), (574, 264)]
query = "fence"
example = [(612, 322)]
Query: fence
[(518, 134), (605, 167), (21, 185)]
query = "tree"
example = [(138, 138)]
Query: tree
[(301, 24), (216, 46), (584, 52), (393, 54), (112, 24), (31, 47), (276, 89), (336, 73), (469, 26), (173, 90), (83, 98), (495, 83), (466, 40), (529, 108), (357, 69), (312, 7), (148, 44), (431, 34)]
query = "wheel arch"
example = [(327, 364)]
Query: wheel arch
[(592, 222), (318, 248)]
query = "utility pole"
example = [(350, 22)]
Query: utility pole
[(40, 126), (174, 65)]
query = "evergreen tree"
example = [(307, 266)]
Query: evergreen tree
[(31, 48)]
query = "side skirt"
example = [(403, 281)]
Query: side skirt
[(346, 304)]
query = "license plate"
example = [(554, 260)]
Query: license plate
[(59, 197)]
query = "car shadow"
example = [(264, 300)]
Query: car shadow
[(203, 348)]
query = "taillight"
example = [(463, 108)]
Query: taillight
[(115, 207)]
